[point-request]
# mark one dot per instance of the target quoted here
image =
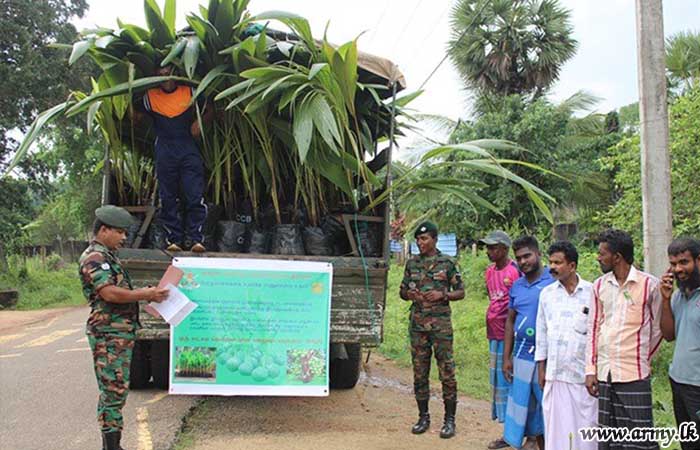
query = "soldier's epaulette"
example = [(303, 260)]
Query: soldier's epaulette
[(93, 260)]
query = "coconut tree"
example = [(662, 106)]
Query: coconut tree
[(506, 47), (683, 58)]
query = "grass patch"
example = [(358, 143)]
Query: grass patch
[(193, 421), (48, 284), (471, 345)]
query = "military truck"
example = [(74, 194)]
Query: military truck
[(359, 281)]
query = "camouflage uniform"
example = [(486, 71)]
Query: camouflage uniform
[(430, 323), (111, 331)]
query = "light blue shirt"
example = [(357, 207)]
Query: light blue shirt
[(685, 366)]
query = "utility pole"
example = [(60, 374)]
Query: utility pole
[(653, 114)]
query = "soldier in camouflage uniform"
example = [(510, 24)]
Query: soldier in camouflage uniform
[(113, 317), (431, 281)]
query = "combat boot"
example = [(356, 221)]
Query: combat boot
[(111, 440), (423, 418), (448, 427)]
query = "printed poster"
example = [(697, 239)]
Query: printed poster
[(261, 327)]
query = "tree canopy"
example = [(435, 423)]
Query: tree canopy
[(34, 76), (504, 47)]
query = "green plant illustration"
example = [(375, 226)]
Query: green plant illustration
[(197, 362)]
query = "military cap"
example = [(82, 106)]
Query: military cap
[(114, 216), (497, 237), (426, 227)]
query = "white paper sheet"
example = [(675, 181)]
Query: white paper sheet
[(176, 307)]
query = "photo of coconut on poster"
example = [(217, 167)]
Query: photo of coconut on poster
[(260, 328)]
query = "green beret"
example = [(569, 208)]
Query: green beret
[(426, 227), (114, 216)]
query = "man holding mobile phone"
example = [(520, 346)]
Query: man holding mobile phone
[(680, 321)]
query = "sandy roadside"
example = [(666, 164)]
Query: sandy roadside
[(377, 414)]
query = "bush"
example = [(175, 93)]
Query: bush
[(54, 262), (43, 286)]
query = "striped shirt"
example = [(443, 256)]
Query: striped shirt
[(624, 331)]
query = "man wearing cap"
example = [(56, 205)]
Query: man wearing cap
[(500, 276), (431, 281), (113, 317)]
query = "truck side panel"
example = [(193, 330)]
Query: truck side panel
[(357, 300)]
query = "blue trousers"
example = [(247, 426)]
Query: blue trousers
[(180, 172)]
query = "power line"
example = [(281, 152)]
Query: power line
[(464, 33), (405, 27), (376, 25)]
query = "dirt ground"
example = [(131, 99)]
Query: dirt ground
[(11, 320), (377, 414)]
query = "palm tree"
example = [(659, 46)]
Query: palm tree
[(683, 58), (507, 47)]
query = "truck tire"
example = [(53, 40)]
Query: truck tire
[(344, 373), (160, 364), (140, 371)]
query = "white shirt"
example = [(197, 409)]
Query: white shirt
[(562, 325)]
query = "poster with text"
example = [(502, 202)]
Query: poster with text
[(261, 327)]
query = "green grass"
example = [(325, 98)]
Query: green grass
[(471, 345), (40, 285)]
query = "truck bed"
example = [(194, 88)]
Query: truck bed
[(357, 301)]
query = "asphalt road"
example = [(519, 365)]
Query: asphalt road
[(48, 392)]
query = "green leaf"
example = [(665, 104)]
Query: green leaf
[(446, 150), (161, 35), (34, 132), (224, 20), (198, 26), (315, 69), (303, 129), (174, 52), (191, 55), (297, 23), (261, 45), (144, 63), (121, 89), (405, 99), (169, 14), (104, 41), (212, 10), (247, 95), (234, 89), (79, 49), (325, 123), (92, 112), (147, 49), (132, 33), (540, 204), (210, 77)]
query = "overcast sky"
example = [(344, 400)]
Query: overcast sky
[(414, 33)]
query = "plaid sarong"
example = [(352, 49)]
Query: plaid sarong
[(499, 385), (524, 411), (625, 405)]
